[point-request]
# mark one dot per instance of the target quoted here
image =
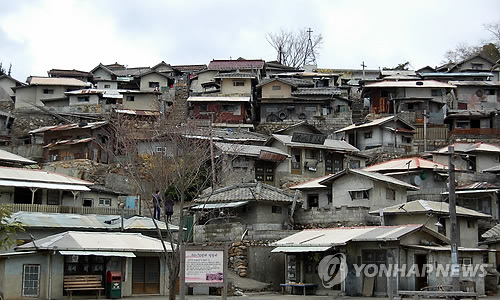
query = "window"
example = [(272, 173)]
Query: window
[(465, 261), (203, 107), (276, 88), (104, 202), (296, 161), (83, 99), (390, 194), (462, 105), (312, 154), (375, 256), (436, 92), (462, 124), (406, 140), (312, 200), (355, 164), (161, 149), (228, 108), (470, 224), (31, 280), (276, 209), (368, 135), (476, 66), (53, 197), (107, 86), (359, 195), (48, 91), (154, 84), (130, 98), (489, 92), (238, 83), (88, 202)]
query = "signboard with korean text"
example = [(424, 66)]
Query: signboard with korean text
[(204, 266)]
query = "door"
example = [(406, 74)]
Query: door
[(145, 275), (420, 277)]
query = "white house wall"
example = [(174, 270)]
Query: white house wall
[(153, 77)]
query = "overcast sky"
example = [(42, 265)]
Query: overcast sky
[(38, 35)]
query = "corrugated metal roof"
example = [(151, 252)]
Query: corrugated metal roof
[(299, 249), (91, 125), (465, 147), (137, 112), (295, 82), (227, 135), (31, 176), (323, 91), (97, 241), (410, 84), (98, 253), (478, 186), (11, 157), (247, 192), (69, 142), (43, 185), (493, 233), (411, 163), (311, 184), (217, 99), (447, 248), (397, 72), (476, 83), (235, 75), (56, 81), (423, 206), (95, 222), (249, 150), (494, 169), (328, 144), (340, 236), (372, 175), (219, 205), (371, 123)]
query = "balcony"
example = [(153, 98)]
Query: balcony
[(82, 210)]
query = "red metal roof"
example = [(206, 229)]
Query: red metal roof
[(228, 64)]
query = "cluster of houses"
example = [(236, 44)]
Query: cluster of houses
[(313, 162)]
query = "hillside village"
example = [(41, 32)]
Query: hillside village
[(357, 160)]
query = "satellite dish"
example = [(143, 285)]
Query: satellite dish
[(417, 180)]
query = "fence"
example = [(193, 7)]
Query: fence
[(82, 210)]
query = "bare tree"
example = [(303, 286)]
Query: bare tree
[(494, 29), (292, 47), (461, 52), (157, 155)]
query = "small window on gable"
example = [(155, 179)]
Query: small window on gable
[(238, 83), (48, 91), (154, 84), (368, 135), (276, 87), (107, 86), (359, 195), (131, 98), (312, 200), (83, 99), (436, 92), (477, 66)]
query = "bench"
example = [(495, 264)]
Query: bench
[(83, 283), (437, 294), (295, 285)]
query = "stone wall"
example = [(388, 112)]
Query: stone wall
[(334, 217)]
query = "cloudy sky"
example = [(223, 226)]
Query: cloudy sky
[(38, 35)]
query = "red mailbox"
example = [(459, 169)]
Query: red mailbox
[(114, 284)]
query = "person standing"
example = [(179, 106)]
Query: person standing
[(157, 205), (169, 207)]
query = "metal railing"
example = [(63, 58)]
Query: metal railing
[(82, 210)]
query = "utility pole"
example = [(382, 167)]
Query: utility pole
[(425, 130), (454, 239), (364, 66)]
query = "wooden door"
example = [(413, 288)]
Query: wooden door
[(146, 275)]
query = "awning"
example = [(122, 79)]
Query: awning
[(98, 253), (44, 185), (300, 249), (219, 205)]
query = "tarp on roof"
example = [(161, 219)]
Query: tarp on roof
[(99, 253)]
